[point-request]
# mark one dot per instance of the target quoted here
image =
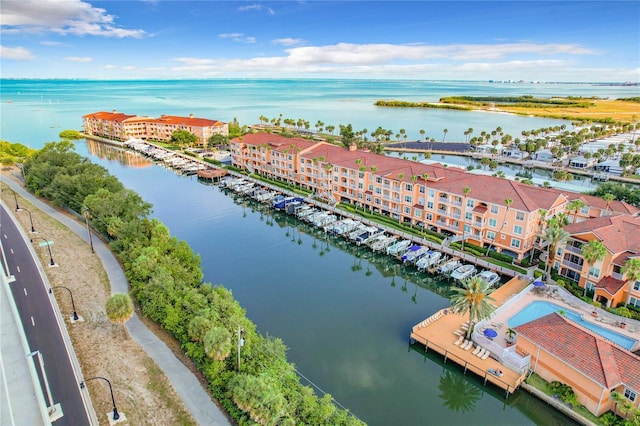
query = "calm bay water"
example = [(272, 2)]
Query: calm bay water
[(344, 313)]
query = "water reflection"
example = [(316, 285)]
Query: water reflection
[(458, 393), (113, 153)]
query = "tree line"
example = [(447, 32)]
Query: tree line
[(248, 373)]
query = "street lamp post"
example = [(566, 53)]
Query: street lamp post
[(86, 219), (73, 305), (55, 410), (15, 197), (116, 415), (33, 230), (48, 244)]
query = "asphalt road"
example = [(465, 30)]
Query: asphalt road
[(41, 326)]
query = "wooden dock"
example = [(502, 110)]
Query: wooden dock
[(437, 333)]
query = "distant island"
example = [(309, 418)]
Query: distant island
[(572, 108)]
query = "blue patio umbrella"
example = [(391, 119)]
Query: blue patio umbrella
[(538, 283), (490, 333)]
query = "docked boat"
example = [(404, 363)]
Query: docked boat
[(368, 233), (344, 226), (281, 202), (490, 277), (382, 242), (414, 253), (449, 267), (428, 260), (399, 247), (358, 230), (463, 272)]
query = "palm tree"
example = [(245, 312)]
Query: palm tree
[(466, 191), (507, 202), (592, 252), (473, 297), (457, 393), (608, 198), (217, 343), (119, 308), (553, 235), (631, 269), (574, 206), (445, 131)]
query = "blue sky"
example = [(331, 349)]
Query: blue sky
[(431, 40)]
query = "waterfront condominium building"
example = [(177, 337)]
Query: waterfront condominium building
[(620, 235), (118, 126), (483, 210)]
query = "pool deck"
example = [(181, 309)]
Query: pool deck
[(437, 333)]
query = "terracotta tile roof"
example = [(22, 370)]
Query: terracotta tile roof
[(108, 116), (187, 121), (619, 233), (606, 363), (599, 203), (611, 285), (623, 257), (275, 142)]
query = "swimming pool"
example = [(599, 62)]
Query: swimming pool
[(540, 308)]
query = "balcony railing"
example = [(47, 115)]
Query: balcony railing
[(573, 249), (572, 265)]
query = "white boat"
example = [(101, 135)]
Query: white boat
[(427, 260), (449, 267), (345, 226), (462, 272), (399, 247), (490, 277), (382, 243), (367, 234), (414, 253), (358, 230)]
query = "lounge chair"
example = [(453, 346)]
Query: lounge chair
[(459, 333), (476, 350), (486, 355), (468, 345), (481, 353), (457, 342)]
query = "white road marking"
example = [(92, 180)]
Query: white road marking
[(33, 322), (11, 250), (5, 236), (25, 291), (18, 268)]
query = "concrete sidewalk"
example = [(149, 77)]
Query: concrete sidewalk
[(195, 398)]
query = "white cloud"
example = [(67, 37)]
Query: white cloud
[(78, 59), (64, 17), (15, 53), (51, 43), (257, 7), (239, 37), (288, 41)]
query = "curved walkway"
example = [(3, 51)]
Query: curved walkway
[(196, 400)]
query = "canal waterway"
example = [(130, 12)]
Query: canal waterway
[(344, 313)]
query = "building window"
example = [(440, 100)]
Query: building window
[(636, 286), (407, 210), (594, 272), (517, 230), (429, 204), (519, 215), (635, 302), (407, 199), (370, 187), (408, 187), (378, 179), (468, 216), (417, 212), (470, 202), (421, 189), (491, 235), (515, 243), (360, 185), (494, 209), (378, 190), (429, 216), (432, 193), (584, 210), (493, 223), (630, 395), (467, 228)]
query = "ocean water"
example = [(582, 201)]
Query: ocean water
[(34, 111), (344, 313)]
